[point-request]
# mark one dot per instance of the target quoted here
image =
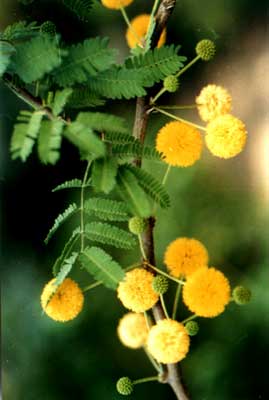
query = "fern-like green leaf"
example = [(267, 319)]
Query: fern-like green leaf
[(156, 64), (62, 274), (110, 210), (135, 150), (104, 173), (108, 234), (132, 193), (83, 97), (49, 141), (84, 138), (102, 267), (71, 210), (118, 83), (102, 122), (151, 186), (6, 51), (25, 134), (36, 57), (60, 100), (84, 59), (20, 31), (82, 8), (119, 138), (72, 184), (66, 250)]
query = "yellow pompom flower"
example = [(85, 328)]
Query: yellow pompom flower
[(133, 330), (184, 256), (66, 303), (136, 292), (180, 144), (213, 101), (207, 292), (139, 25), (168, 341), (225, 136), (116, 4)]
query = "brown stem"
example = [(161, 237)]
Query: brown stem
[(171, 374)]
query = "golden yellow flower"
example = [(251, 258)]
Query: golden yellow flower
[(136, 292), (213, 101), (66, 303), (116, 4), (207, 292), (184, 256), (139, 25), (226, 136), (168, 341), (133, 330), (180, 144)]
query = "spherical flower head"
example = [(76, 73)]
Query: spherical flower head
[(160, 284), (225, 136), (184, 256), (48, 28), (206, 49), (137, 225), (65, 304), (125, 386), (213, 101), (139, 25), (116, 4), (192, 328), (171, 83), (133, 330), (180, 144), (207, 292), (136, 292), (241, 295), (168, 341)]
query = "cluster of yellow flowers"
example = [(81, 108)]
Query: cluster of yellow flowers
[(206, 292), (181, 144)]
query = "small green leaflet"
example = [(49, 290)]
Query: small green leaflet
[(60, 99), (130, 191), (49, 141), (72, 184), (104, 173), (36, 57), (71, 210), (109, 234), (106, 209), (67, 248), (25, 133), (102, 267), (151, 186), (83, 60), (103, 122), (84, 138), (62, 274)]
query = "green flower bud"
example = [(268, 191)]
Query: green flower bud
[(206, 49), (137, 225), (192, 328), (48, 28), (241, 295), (171, 83), (160, 284), (125, 386)]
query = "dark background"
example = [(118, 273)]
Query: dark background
[(222, 203)]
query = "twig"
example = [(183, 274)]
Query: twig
[(171, 372)]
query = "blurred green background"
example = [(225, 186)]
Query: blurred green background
[(222, 203)]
